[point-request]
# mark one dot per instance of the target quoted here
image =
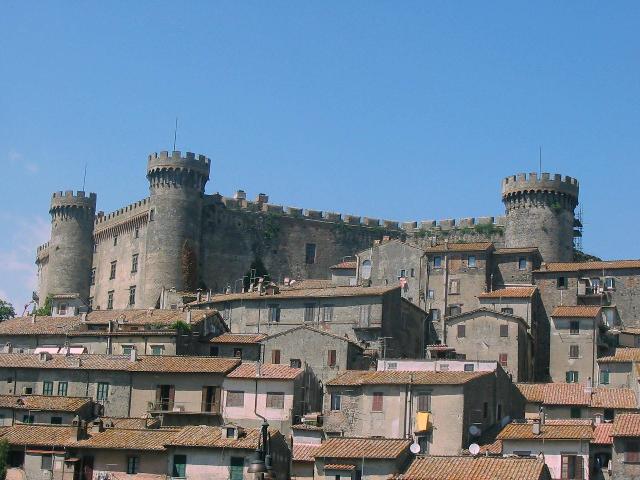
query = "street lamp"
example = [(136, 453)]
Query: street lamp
[(261, 464)]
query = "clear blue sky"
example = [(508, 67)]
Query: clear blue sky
[(397, 110)]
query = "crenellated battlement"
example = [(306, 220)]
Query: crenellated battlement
[(260, 205), (42, 252), (78, 199), (532, 182), (175, 160), (136, 213)]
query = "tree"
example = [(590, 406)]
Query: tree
[(189, 267), (45, 310), (6, 310), (260, 271), (4, 454)]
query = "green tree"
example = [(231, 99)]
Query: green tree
[(260, 271), (6, 310), (45, 310), (4, 454)]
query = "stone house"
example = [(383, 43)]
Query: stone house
[(574, 343), (117, 332), (254, 392), (344, 273), (306, 439), (55, 410), (437, 409), (377, 316), (438, 365), (564, 445), (244, 346), (515, 265), (484, 334), (479, 468), (573, 400), (321, 354), (361, 458), (629, 337), (625, 457), (619, 369), (601, 448), (203, 453)]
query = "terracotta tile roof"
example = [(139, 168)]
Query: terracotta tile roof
[(352, 265), (148, 317), (579, 311), (602, 434), (557, 430), (392, 377), (306, 426), (622, 355), (626, 425), (132, 423), (40, 435), (148, 363), (325, 292), (125, 439), (39, 325), (267, 371), (513, 250), (631, 331), (350, 447), (510, 292), (308, 328), (339, 466), (581, 266), (604, 397), (44, 402), (532, 392), (566, 394), (475, 468), (211, 437), (237, 338), (460, 247), (304, 452), (493, 448)]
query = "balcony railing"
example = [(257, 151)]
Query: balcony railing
[(165, 406)]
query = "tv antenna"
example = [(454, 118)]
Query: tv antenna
[(175, 135), (539, 159), (84, 178)]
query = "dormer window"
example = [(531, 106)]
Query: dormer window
[(230, 432)]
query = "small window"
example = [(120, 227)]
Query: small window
[(90, 303), (62, 309), (102, 392), (403, 274), (462, 331), (214, 351), (331, 358), (561, 282), (157, 349), (132, 295), (632, 451), (574, 351), (179, 463), (454, 287), (62, 389), (127, 349), (274, 313), (136, 233), (295, 363), (424, 402), (47, 388), (112, 271), (46, 462), (27, 390), (413, 273), (437, 262), (275, 357), (471, 261), (571, 376), (503, 359), (522, 263), (93, 277), (392, 366), (576, 412), (27, 418), (504, 330), (610, 283), (309, 312), (133, 463), (435, 314), (574, 327), (115, 240), (336, 401), (310, 253), (377, 404), (609, 414), (469, 367), (152, 215), (507, 310), (56, 421), (275, 400), (235, 398), (455, 310), (431, 294), (327, 313), (237, 352), (604, 377), (95, 247), (134, 263), (110, 300)]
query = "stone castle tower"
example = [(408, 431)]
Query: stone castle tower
[(71, 244), (176, 186), (540, 213)]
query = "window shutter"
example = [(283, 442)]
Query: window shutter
[(275, 356), (579, 470), (172, 394), (331, 360), (377, 401), (203, 404), (461, 331), (216, 398), (158, 396)]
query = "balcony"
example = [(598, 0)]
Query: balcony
[(168, 407)]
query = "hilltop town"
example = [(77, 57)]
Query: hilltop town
[(197, 336)]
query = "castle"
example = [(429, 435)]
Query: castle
[(179, 238)]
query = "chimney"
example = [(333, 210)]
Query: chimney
[(97, 426), (535, 427), (84, 317), (209, 295), (133, 356), (189, 316), (78, 431), (33, 318), (240, 195), (199, 296), (588, 389)]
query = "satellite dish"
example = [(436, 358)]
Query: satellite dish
[(505, 421), (474, 449), (415, 448), (475, 430)]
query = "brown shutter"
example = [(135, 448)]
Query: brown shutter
[(172, 395), (203, 405), (579, 473), (158, 397), (331, 360), (377, 401), (275, 356), (216, 400)]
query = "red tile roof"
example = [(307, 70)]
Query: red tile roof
[(212, 437), (532, 392), (605, 397), (557, 430), (350, 447), (510, 292), (626, 425), (125, 439), (304, 452), (582, 266), (267, 371), (351, 265), (44, 402), (475, 468), (394, 377), (339, 466), (328, 291), (577, 394), (460, 247), (237, 338), (40, 435), (622, 355), (602, 434), (579, 311)]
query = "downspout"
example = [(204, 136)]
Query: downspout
[(446, 292), (406, 401), (130, 392)]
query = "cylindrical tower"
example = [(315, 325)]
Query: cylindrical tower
[(71, 244), (177, 186), (540, 213)]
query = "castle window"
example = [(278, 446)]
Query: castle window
[(437, 262), (431, 294), (310, 253), (134, 263), (112, 273), (522, 263), (471, 261), (136, 233), (403, 273), (110, 300), (93, 276), (435, 314), (95, 247), (151, 214), (561, 282), (274, 313), (610, 283), (115, 240), (132, 295)]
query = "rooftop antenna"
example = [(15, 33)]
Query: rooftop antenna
[(175, 135), (84, 178), (539, 159)]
